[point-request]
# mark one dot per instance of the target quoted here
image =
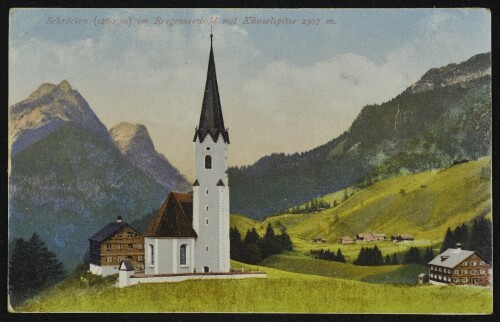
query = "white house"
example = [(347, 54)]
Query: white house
[(190, 233)]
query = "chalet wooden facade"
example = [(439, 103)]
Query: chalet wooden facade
[(113, 244), (460, 267), (366, 237), (319, 240), (346, 240)]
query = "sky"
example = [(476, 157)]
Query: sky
[(284, 88)]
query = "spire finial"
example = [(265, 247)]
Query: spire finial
[(211, 36)]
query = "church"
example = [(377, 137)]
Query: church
[(190, 232)]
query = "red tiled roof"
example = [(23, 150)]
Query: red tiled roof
[(174, 219)]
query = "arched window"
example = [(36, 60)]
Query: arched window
[(183, 255), (208, 162), (151, 255)]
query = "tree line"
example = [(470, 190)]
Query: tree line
[(373, 257), (476, 236), (252, 249), (330, 256), (32, 268)]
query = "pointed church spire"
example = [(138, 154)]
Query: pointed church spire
[(211, 120)]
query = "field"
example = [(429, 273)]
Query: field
[(296, 282), (432, 201), (281, 291), (396, 274)]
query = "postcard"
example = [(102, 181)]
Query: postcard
[(250, 160)]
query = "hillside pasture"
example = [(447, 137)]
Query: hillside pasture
[(280, 292)]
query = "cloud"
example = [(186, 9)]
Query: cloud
[(155, 74)]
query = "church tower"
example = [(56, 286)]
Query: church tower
[(210, 189)]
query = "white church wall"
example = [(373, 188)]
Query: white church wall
[(132, 280), (224, 243), (211, 214), (165, 260), (103, 270), (167, 256)]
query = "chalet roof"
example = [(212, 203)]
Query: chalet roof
[(451, 257), (108, 231), (175, 217), (126, 265), (211, 120), (346, 237), (370, 234)]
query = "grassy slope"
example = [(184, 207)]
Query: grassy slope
[(242, 223), (298, 283), (406, 274), (308, 265), (452, 196), (279, 292)]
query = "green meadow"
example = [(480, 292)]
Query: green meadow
[(281, 291), (297, 283), (395, 274), (431, 202)]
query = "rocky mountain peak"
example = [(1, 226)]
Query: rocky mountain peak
[(475, 67), (46, 110), (41, 91), (128, 136), (135, 144), (64, 86)]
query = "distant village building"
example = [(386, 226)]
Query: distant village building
[(461, 267), (402, 237), (346, 240), (319, 240), (367, 237), (378, 236), (115, 242)]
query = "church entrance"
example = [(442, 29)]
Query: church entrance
[(206, 269)]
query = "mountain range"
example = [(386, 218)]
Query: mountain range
[(443, 118), (69, 176)]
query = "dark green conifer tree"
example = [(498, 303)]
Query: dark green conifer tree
[(448, 241), (428, 256), (340, 257), (251, 236), (412, 256), (269, 235), (394, 260), (32, 267), (481, 238), (236, 244), (377, 258)]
